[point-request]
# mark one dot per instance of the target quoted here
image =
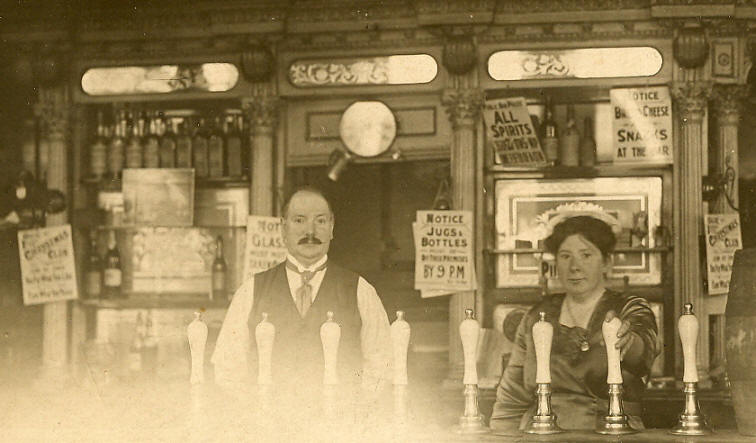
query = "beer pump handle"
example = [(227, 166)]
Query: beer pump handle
[(609, 330), (543, 333), (196, 333), (330, 335), (265, 334), (400, 336), (469, 330), (687, 326)]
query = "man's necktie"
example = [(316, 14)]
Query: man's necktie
[(304, 293)]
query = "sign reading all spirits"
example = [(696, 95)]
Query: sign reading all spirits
[(510, 133)]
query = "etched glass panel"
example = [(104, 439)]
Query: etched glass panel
[(575, 63), (163, 79), (389, 70)]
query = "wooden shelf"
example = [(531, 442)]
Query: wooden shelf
[(157, 301), (662, 249), (565, 172), (210, 182)]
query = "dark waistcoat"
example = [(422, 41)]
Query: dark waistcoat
[(297, 350)]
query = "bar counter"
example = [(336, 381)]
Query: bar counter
[(175, 411)]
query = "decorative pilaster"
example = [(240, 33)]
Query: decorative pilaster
[(53, 112), (261, 112), (690, 103), (464, 107), (728, 104)]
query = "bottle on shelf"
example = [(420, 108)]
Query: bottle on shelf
[(93, 276), (183, 146), (219, 272), (98, 151), (215, 150), (549, 133), (199, 150), (569, 141), (112, 280), (116, 147), (588, 145), (133, 143), (233, 133), (137, 346), (167, 143), (150, 141)]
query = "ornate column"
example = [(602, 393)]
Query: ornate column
[(728, 101), (463, 107), (53, 112), (690, 103), (261, 112), (727, 106)]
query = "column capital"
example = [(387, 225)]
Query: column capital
[(463, 106), (691, 99), (52, 109), (728, 102), (261, 112)]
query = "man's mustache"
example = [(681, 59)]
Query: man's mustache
[(310, 240)]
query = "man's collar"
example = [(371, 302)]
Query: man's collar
[(302, 267)]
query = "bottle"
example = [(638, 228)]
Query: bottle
[(219, 281), (115, 148), (112, 275), (233, 146), (150, 142), (549, 134), (149, 352), (183, 147), (133, 144), (135, 350), (93, 276), (215, 150), (98, 152), (588, 145), (569, 141), (167, 143), (199, 150)]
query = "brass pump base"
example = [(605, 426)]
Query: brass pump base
[(544, 420), (692, 421)]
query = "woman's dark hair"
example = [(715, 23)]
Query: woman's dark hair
[(592, 229)]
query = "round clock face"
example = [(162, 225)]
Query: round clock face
[(367, 128)]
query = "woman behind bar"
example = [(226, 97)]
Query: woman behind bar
[(582, 246)]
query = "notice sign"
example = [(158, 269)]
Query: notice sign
[(265, 247), (443, 251), (510, 133), (722, 240), (642, 125), (48, 272)]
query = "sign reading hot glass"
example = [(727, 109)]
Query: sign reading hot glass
[(642, 61), (162, 79)]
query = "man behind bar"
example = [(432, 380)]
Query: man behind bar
[(297, 294)]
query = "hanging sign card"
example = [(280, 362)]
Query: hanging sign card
[(723, 238), (510, 133), (264, 247), (443, 252), (642, 125), (48, 272)]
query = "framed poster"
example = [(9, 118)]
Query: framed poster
[(158, 197), (526, 210)]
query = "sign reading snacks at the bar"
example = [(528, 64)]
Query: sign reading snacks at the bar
[(48, 271), (642, 125), (443, 252), (723, 238), (510, 133), (265, 247)]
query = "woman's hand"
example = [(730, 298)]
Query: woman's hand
[(625, 337)]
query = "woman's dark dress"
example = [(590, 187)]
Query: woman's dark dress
[(578, 377)]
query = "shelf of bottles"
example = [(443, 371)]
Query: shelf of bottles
[(211, 141)]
